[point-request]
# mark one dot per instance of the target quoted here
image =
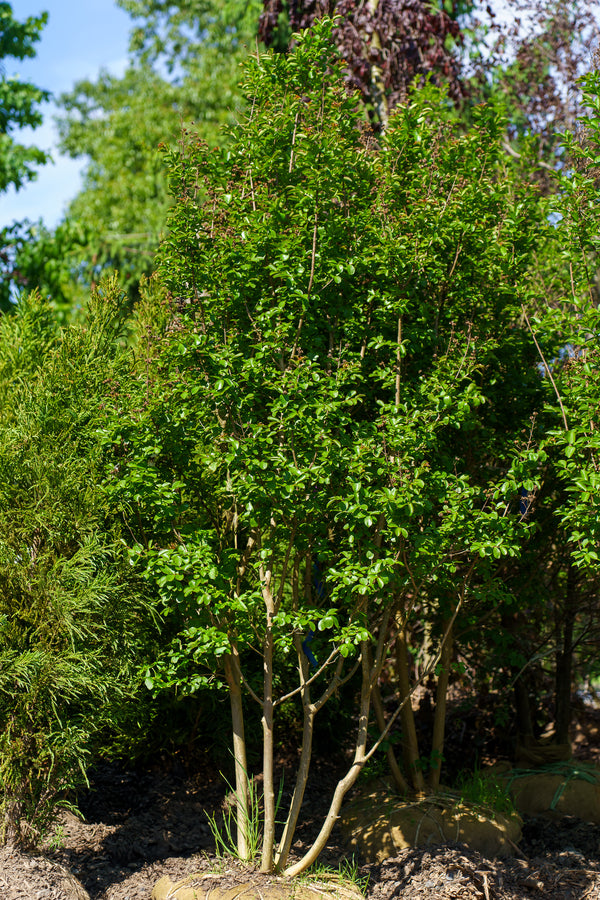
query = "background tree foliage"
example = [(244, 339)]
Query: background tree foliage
[(118, 124), (531, 54), (19, 100), (386, 46), (35, 257), (185, 69), (19, 108)]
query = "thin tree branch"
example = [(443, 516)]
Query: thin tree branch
[(547, 368), (425, 674)]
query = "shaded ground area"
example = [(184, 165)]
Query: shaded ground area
[(139, 828), (454, 871)]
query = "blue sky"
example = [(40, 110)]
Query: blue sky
[(81, 37)]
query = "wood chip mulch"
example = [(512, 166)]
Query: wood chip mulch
[(139, 828)]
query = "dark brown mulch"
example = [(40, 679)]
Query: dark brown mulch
[(140, 827), (454, 871)]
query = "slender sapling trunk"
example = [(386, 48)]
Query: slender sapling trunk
[(266, 864), (439, 720), (233, 675), (410, 743)]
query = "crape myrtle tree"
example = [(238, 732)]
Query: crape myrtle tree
[(292, 475), (573, 388)]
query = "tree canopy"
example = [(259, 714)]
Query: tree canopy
[(19, 100), (297, 471)]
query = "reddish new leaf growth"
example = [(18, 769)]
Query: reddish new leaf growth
[(394, 41)]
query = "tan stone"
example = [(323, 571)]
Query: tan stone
[(379, 824), (567, 790), (203, 887), (183, 890), (187, 893), (240, 891), (161, 889)]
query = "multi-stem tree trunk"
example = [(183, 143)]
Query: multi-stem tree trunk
[(410, 743), (233, 675), (369, 674), (310, 710), (564, 660), (439, 721)]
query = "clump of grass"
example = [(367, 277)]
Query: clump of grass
[(346, 873), (224, 832), (485, 790)]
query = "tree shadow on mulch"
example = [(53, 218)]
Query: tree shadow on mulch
[(141, 826), (453, 870), (132, 820), (141, 823)]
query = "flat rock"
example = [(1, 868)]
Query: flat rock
[(210, 887), (563, 789), (379, 824)]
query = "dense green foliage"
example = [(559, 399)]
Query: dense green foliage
[(73, 620), (19, 100), (297, 472), (350, 424)]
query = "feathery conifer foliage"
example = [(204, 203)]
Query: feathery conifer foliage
[(73, 620)]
